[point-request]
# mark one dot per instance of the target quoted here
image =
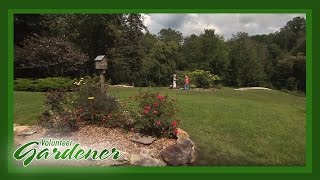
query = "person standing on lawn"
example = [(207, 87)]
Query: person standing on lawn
[(174, 83), (186, 83)]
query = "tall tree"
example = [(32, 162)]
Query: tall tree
[(128, 52), (26, 25), (245, 68), (192, 52), (215, 53), (167, 35), (291, 73), (45, 57), (207, 52), (288, 36)]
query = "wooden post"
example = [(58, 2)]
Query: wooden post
[(101, 64), (102, 80)]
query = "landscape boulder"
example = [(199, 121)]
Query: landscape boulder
[(145, 160), (182, 134), (181, 153), (146, 140)]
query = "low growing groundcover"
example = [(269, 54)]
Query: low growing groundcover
[(229, 127)]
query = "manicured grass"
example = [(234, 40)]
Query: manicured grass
[(28, 106), (254, 127)]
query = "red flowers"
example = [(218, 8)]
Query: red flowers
[(160, 97), (155, 104), (146, 110), (157, 114), (174, 123), (158, 123)]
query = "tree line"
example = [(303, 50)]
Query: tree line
[(64, 45)]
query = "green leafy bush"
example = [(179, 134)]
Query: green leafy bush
[(60, 115), (48, 56), (203, 79), (121, 118), (199, 79), (43, 85), (157, 115), (85, 103), (95, 104)]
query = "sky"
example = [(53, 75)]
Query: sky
[(224, 24)]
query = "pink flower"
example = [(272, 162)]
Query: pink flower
[(155, 112), (174, 123), (155, 104), (147, 108), (160, 97), (158, 123), (145, 111)]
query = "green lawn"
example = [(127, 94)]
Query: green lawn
[(254, 127), (28, 107)]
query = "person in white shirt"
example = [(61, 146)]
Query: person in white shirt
[(174, 83)]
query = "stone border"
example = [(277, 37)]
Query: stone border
[(181, 153)]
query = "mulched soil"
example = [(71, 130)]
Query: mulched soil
[(99, 138), (95, 136)]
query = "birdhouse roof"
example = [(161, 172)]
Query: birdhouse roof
[(99, 58)]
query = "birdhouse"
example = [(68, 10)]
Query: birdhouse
[(101, 62)]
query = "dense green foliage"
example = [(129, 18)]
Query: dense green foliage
[(198, 78), (43, 84), (60, 116), (86, 103), (246, 62), (65, 45), (45, 57), (92, 102)]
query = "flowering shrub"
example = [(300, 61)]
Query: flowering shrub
[(199, 79), (79, 83), (86, 103), (60, 116), (94, 103), (157, 115), (203, 79)]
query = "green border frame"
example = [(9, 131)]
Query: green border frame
[(191, 169)]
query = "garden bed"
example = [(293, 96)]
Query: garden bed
[(96, 137)]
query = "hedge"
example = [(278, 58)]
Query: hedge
[(42, 85)]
